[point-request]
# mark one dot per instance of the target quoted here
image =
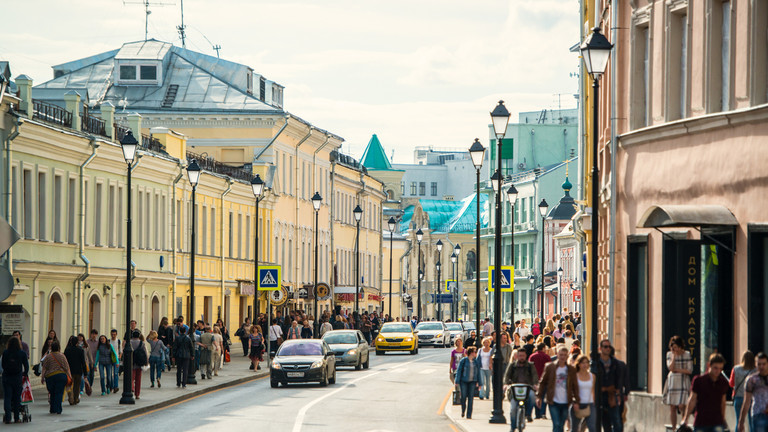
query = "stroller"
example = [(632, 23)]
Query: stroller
[(26, 400)]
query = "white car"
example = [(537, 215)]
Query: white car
[(433, 333), (457, 332)]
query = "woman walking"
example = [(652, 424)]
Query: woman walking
[(485, 368), (584, 413), (218, 349), (294, 332), (15, 368), (156, 358), (182, 352), (140, 359), (105, 358), (83, 343), (165, 335), (55, 371), (256, 347), (677, 387), (48, 341), (456, 355), (77, 367), (504, 349), (468, 378), (738, 380)]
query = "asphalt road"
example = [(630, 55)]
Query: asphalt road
[(399, 392)]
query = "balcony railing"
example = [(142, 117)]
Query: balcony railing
[(120, 131), (152, 144), (92, 124), (50, 113), (212, 165)]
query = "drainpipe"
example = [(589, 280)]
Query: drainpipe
[(274, 138), (174, 239), (7, 198), (221, 244), (297, 246), (614, 148), (81, 253)]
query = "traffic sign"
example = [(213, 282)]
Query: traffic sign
[(507, 281), (450, 286), (269, 278)]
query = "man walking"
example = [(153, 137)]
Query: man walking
[(93, 348), (540, 359), (707, 398), (487, 327), (206, 353), (560, 388), (756, 397), (521, 371), (611, 372), (117, 345)]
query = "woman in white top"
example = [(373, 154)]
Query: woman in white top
[(586, 381), (275, 337), (485, 368)]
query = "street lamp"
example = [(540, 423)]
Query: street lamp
[(477, 153), (358, 213), (392, 222), (500, 119), (438, 294), (457, 251), (316, 201), (559, 288), (466, 305), (129, 145), (419, 236), (595, 50), (543, 207), (454, 258), (193, 173), (532, 280), (257, 184)]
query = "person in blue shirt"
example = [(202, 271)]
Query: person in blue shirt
[(468, 378)]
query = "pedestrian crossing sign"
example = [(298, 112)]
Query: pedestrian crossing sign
[(450, 286), (269, 278), (507, 280)]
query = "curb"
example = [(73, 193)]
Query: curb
[(447, 412), (173, 400)]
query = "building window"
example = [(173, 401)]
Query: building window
[(637, 313), (213, 231), (523, 210), (127, 72), (71, 204), (27, 204), (247, 237), (422, 188), (725, 73), (719, 56), (97, 215), (641, 75), (204, 232), (58, 211), (433, 189), (231, 241), (524, 256), (42, 210), (147, 72), (758, 288), (413, 188), (759, 53), (239, 236), (111, 216), (402, 189), (677, 76)]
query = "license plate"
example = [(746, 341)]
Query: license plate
[(294, 374)]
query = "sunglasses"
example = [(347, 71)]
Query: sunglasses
[(605, 346)]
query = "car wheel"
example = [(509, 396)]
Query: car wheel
[(359, 364), (274, 384), (324, 380), (333, 378), (367, 362), (379, 352)]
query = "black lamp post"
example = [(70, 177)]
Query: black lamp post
[(559, 303), (512, 200), (500, 118), (466, 304), (543, 207), (532, 280), (358, 213), (129, 145), (455, 281), (595, 50), (392, 222), (316, 201), (455, 298), (477, 153), (419, 236), (193, 173), (438, 293), (257, 184)]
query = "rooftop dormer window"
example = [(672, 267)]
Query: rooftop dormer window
[(135, 73)]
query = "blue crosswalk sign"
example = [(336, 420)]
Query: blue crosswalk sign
[(269, 278), (507, 282)]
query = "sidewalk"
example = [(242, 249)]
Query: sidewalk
[(96, 410), (481, 412)]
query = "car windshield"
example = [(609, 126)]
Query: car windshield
[(340, 338), (429, 326), (300, 349), (455, 326), (396, 328), (469, 325)]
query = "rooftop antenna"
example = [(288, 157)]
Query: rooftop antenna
[(182, 27), (216, 48), (146, 4)]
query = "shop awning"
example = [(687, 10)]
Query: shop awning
[(687, 216)]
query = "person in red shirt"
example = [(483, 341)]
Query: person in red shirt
[(708, 392), (540, 359)]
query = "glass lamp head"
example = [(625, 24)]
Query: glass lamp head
[(358, 213), (257, 184), (316, 201), (543, 207), (500, 118), (129, 145), (193, 172), (477, 153), (392, 222), (596, 51)]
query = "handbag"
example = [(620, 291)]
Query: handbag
[(69, 377), (226, 357), (456, 396), (580, 412), (26, 391), (611, 390), (88, 389)]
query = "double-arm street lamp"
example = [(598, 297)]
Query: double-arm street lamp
[(477, 153), (438, 293), (193, 173), (500, 118), (455, 292), (358, 213), (392, 222), (257, 184), (419, 237), (543, 207), (129, 145), (595, 51), (316, 201)]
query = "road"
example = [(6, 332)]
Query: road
[(399, 392)]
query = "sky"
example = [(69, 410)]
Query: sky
[(414, 72)]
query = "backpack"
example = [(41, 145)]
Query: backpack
[(140, 356), (12, 364)]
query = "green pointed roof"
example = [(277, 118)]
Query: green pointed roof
[(374, 157)]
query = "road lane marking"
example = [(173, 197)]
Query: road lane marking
[(441, 410), (426, 371), (455, 429), (303, 411)]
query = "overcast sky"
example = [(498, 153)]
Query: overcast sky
[(415, 72)]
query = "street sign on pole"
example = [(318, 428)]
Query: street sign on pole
[(507, 281), (269, 278), (450, 286)]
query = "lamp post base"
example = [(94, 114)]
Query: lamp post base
[(191, 377), (497, 417), (127, 398)]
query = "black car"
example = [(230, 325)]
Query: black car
[(301, 361)]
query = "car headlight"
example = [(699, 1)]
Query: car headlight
[(409, 339), (275, 365), (439, 335), (352, 352), (380, 339), (317, 364)]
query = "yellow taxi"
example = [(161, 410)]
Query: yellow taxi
[(397, 336)]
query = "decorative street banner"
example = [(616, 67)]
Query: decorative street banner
[(269, 278), (689, 286), (507, 281)]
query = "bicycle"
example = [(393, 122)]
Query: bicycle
[(520, 393)]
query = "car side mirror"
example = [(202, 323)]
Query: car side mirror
[(415, 332)]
